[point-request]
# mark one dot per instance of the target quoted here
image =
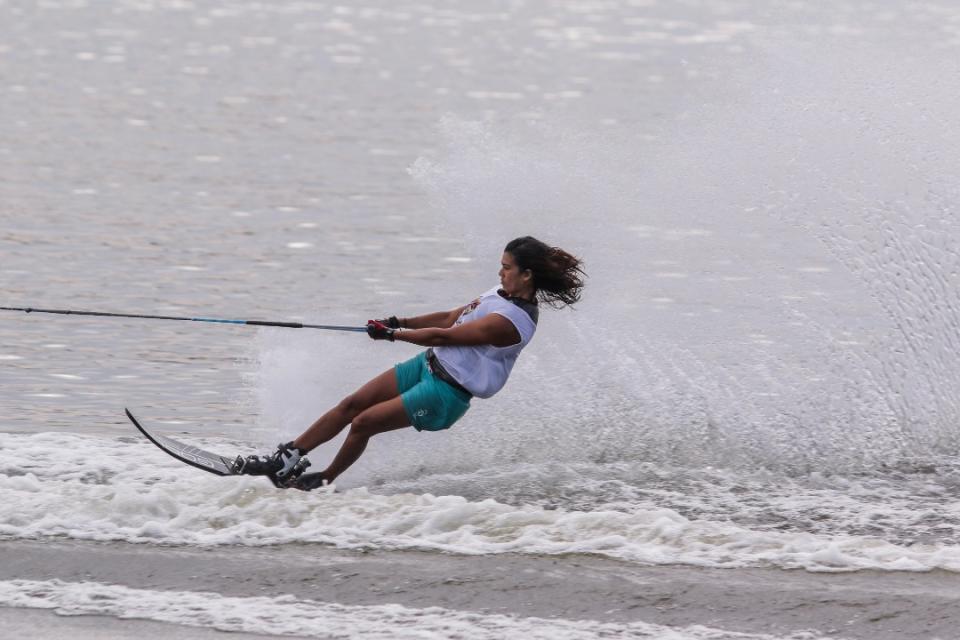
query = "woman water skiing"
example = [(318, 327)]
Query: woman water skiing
[(471, 351)]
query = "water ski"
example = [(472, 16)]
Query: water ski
[(195, 457), (213, 462)]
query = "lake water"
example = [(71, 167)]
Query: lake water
[(762, 371)]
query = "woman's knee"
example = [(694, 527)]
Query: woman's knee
[(381, 388), (370, 423), (351, 406), (363, 426)]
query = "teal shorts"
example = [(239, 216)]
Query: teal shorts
[(431, 404)]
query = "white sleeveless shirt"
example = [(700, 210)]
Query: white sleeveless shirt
[(484, 369)]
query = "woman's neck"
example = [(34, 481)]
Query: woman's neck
[(530, 295)]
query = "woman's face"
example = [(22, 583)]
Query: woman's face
[(514, 281)]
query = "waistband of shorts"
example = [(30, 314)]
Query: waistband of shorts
[(437, 370)]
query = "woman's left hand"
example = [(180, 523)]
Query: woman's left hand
[(379, 331)]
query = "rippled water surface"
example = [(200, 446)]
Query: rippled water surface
[(763, 193)]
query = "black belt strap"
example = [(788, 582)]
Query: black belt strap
[(437, 369)]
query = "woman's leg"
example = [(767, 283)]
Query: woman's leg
[(385, 416), (380, 389)]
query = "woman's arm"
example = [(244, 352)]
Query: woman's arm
[(493, 329), (440, 319)]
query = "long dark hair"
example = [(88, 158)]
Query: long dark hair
[(557, 275)]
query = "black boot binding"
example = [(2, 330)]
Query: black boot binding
[(283, 467), (309, 481)]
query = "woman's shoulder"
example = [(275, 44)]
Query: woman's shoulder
[(495, 299), (519, 311)]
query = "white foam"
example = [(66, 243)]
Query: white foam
[(90, 488), (287, 615)]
